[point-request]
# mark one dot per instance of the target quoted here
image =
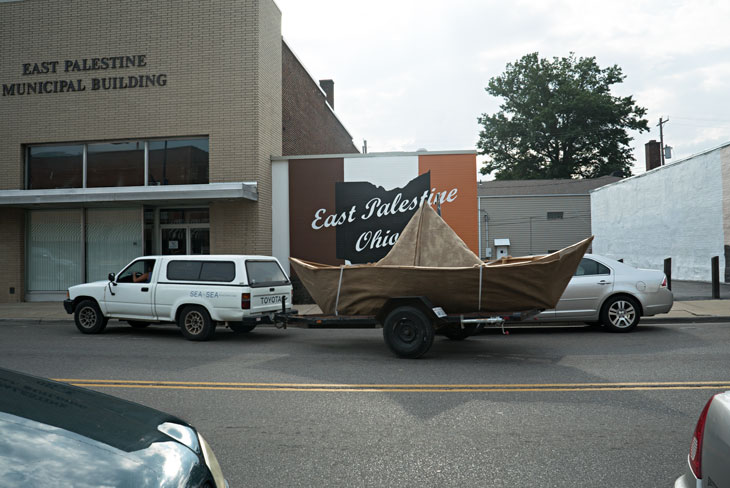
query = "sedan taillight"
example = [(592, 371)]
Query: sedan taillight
[(664, 282), (245, 301), (695, 449)]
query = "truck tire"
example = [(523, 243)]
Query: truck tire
[(137, 324), (408, 332), (195, 323), (240, 327), (88, 317)]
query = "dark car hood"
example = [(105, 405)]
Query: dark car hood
[(53, 434), (121, 424)]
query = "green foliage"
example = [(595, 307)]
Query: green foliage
[(558, 120)]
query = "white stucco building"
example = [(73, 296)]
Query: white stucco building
[(679, 211)]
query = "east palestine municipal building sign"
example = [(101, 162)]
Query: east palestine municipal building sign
[(72, 68)]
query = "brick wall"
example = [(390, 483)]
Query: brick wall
[(222, 60), (309, 125)]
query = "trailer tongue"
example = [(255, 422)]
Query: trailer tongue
[(409, 323)]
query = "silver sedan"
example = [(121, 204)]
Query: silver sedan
[(708, 462), (610, 293)]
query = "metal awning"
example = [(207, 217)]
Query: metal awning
[(167, 194)]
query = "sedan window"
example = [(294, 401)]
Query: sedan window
[(590, 267)]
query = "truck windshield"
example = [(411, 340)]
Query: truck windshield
[(265, 273)]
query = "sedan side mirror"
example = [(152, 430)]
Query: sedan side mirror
[(111, 277)]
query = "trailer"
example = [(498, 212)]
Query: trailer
[(409, 323)]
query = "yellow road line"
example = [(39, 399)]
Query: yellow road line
[(456, 388)]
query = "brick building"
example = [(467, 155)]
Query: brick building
[(137, 127)]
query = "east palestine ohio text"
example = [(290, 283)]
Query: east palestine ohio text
[(67, 86)]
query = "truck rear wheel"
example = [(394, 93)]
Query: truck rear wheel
[(408, 332), (88, 317), (195, 323)]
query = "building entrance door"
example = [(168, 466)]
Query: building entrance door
[(184, 240), (178, 231), (174, 240)]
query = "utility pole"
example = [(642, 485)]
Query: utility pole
[(661, 136)]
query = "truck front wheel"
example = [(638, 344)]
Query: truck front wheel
[(408, 332), (195, 323), (88, 317)]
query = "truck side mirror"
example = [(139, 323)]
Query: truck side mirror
[(111, 277)]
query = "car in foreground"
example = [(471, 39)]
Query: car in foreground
[(708, 462), (610, 293), (55, 434)]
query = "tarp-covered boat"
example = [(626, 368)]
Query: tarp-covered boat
[(429, 259)]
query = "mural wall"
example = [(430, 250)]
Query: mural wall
[(352, 208)]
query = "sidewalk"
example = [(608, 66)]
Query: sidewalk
[(682, 311)]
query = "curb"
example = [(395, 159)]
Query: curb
[(674, 320)]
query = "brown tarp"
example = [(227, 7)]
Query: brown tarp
[(427, 240), (430, 260)]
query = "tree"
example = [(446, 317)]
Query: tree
[(559, 120)]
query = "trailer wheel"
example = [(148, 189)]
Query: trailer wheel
[(408, 332)]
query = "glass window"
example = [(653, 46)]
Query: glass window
[(183, 270), (138, 272), (199, 241), (178, 162), (555, 215), (54, 250), (55, 167), (115, 164), (113, 239), (201, 271), (184, 216), (218, 271), (265, 273), (591, 267)]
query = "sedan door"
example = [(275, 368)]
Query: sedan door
[(592, 282)]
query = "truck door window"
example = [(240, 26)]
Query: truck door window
[(137, 272)]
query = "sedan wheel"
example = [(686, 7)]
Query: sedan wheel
[(620, 314)]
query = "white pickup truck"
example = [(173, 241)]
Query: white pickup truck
[(195, 292)]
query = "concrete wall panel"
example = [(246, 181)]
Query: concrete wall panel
[(673, 211)]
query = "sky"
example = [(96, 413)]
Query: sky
[(410, 74)]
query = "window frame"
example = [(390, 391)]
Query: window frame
[(85, 146)]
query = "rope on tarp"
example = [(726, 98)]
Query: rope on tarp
[(481, 268), (339, 285)]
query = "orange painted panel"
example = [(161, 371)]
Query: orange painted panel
[(457, 172)]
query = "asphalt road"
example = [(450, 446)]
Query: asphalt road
[(538, 407)]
